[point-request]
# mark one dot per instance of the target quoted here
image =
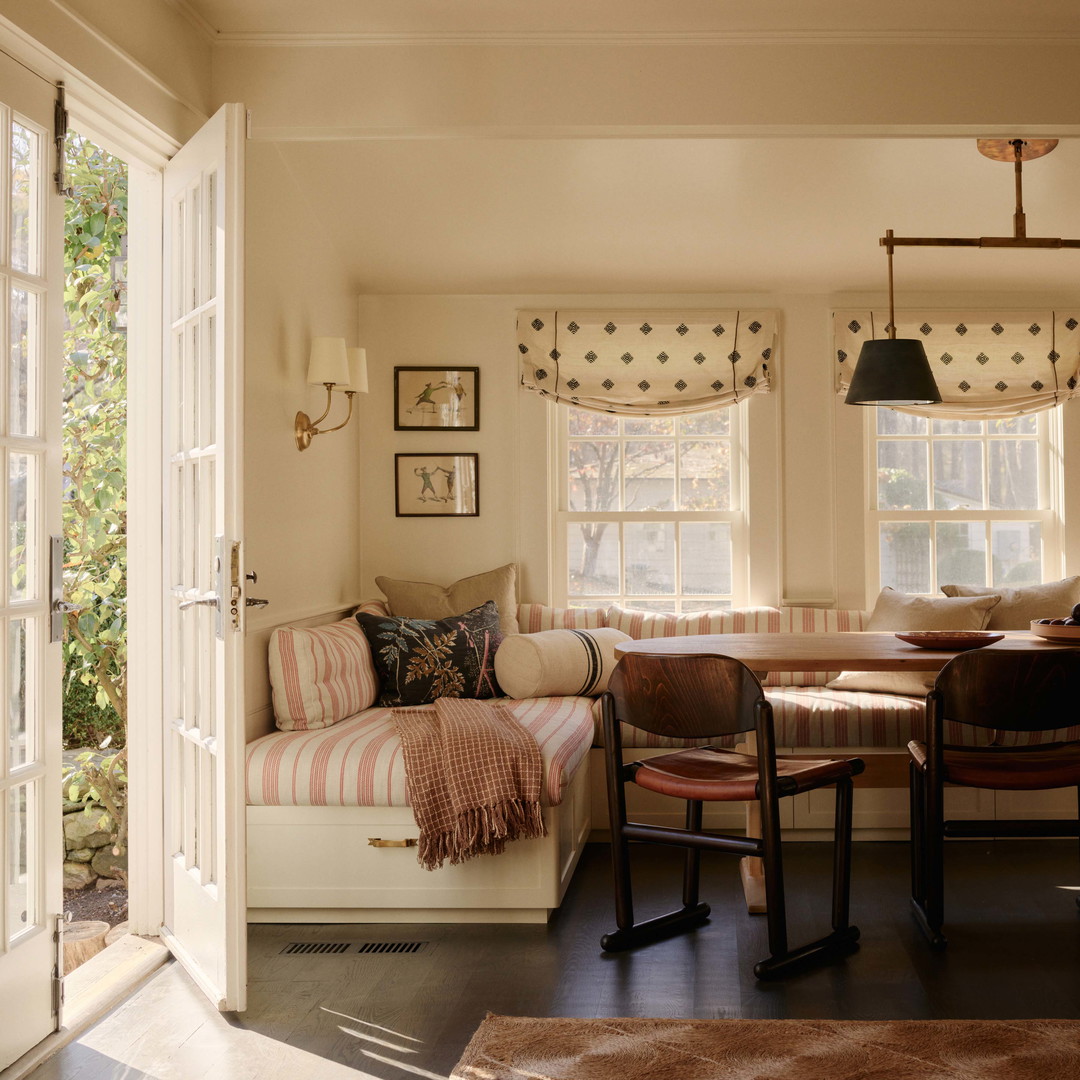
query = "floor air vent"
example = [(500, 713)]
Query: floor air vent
[(304, 948), (343, 948), (391, 946)]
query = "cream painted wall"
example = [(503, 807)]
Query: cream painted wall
[(807, 468), (302, 510)]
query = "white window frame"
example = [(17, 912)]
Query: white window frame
[(737, 517), (1049, 438)]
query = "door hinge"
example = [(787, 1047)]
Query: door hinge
[(58, 970), (60, 130)]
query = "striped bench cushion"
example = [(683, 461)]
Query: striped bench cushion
[(533, 618), (815, 716), (358, 762)]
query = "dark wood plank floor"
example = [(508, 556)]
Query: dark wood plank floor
[(1012, 919)]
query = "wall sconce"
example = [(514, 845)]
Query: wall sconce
[(334, 366)]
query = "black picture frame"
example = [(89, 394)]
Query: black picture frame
[(436, 398), (437, 485)]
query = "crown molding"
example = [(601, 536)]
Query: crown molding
[(196, 19), (348, 38)]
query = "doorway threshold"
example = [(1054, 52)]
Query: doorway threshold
[(92, 990)]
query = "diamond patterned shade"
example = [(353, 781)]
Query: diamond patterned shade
[(647, 362), (987, 364)]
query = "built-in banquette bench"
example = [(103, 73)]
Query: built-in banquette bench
[(328, 816)]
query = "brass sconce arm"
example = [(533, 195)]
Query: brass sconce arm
[(306, 429)]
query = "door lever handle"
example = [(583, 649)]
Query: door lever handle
[(251, 601), (208, 601), (65, 607)]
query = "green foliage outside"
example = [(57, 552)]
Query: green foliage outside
[(95, 448)]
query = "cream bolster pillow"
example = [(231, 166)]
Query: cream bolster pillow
[(1021, 606), (423, 600), (903, 611), (556, 663)]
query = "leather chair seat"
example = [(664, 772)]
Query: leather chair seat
[(714, 774), (1024, 768)]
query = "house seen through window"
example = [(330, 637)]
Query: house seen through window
[(650, 509)]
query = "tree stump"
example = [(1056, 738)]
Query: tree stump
[(81, 941)]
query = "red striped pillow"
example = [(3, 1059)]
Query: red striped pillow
[(320, 675)]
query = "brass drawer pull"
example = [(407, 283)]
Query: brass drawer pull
[(375, 841)]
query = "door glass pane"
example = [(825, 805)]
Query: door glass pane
[(592, 550), (25, 184), (208, 385), (904, 548), (22, 559), (958, 475), (650, 558), (961, 552), (650, 475), (1016, 553), (21, 893), (594, 475), (22, 748), (22, 377), (1014, 474), (705, 475), (902, 475), (705, 554)]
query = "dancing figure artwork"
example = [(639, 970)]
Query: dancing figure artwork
[(436, 485), (436, 399)]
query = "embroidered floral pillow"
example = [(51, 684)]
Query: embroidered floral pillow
[(419, 660)]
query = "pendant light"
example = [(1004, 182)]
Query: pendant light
[(892, 371), (895, 371)]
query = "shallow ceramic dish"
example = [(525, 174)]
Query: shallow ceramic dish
[(951, 640), (1056, 633)]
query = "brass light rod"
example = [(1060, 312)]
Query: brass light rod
[(979, 241)]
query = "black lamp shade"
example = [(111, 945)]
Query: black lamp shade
[(893, 371)]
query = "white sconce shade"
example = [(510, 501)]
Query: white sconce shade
[(328, 362), (357, 371)]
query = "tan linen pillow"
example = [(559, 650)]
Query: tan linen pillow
[(1020, 607), (904, 611), (422, 600), (554, 663)]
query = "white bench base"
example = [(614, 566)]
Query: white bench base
[(313, 864)]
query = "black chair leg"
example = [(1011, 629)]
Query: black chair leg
[(844, 938), (841, 918), (917, 827), (628, 935), (692, 868), (928, 891)]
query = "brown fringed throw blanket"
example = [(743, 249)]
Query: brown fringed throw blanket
[(474, 776)]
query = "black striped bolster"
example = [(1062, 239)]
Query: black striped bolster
[(594, 660)]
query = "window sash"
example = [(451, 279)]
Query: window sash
[(562, 518), (1046, 514)]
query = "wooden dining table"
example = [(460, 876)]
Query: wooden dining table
[(841, 651)]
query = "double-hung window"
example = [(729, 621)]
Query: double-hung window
[(964, 502), (650, 509)]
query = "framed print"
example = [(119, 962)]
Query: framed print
[(436, 399), (436, 485)]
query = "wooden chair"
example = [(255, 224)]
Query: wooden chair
[(1006, 691), (701, 697)]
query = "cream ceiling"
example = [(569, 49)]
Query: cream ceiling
[(670, 215)]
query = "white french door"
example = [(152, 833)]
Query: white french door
[(31, 295), (205, 885)]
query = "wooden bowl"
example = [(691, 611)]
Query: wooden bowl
[(949, 640), (1056, 633)]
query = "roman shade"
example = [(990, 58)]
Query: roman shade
[(646, 362), (987, 365)]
